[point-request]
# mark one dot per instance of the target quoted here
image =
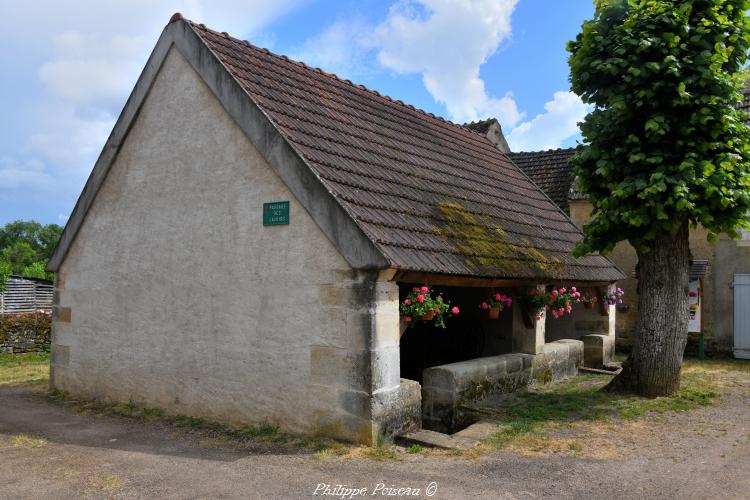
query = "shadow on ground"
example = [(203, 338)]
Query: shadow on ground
[(24, 411)]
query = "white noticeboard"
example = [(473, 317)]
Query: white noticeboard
[(694, 306)]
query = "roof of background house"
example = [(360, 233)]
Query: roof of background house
[(550, 170), (553, 172), (698, 268), (481, 126), (43, 281), (430, 195)]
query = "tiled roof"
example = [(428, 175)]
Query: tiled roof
[(698, 268), (550, 170), (481, 126), (431, 195)]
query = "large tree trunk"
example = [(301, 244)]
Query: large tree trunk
[(653, 367)]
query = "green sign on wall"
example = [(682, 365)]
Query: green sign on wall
[(276, 213)]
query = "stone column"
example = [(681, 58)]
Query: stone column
[(612, 313), (384, 341), (396, 403), (610, 348), (529, 340)]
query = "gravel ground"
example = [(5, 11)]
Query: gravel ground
[(50, 451)]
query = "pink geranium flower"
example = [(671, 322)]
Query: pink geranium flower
[(454, 310), (425, 289), (407, 302), (407, 319), (485, 305), (420, 298)]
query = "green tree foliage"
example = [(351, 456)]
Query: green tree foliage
[(19, 255), (36, 270), (25, 248), (4, 274), (664, 143), (664, 149)]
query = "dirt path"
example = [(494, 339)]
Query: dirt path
[(49, 451)]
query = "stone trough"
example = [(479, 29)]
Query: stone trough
[(448, 388)]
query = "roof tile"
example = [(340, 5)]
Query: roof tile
[(433, 196)]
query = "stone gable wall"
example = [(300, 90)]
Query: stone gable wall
[(175, 295)]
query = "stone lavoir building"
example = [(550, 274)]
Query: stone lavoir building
[(242, 245)]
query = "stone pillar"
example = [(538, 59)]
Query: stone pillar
[(396, 404), (59, 350), (599, 349), (384, 340), (529, 340), (612, 313)]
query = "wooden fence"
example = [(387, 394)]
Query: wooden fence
[(24, 295)]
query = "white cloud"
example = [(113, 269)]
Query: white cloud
[(67, 139), (86, 59), (93, 70), (22, 175), (550, 129), (341, 48), (447, 41)]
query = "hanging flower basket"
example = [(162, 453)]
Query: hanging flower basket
[(613, 298), (558, 302), (427, 317), (421, 304), (495, 304)]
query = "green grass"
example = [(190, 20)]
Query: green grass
[(26, 441), (380, 452), (24, 368), (580, 400), (415, 448), (265, 430), (530, 414)]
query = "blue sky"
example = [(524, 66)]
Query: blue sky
[(68, 68)]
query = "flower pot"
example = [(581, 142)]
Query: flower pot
[(427, 317), (493, 313)]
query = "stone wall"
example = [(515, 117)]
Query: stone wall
[(28, 332), (175, 295), (732, 257)]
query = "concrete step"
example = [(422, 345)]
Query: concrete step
[(478, 431), (434, 439), (608, 369), (465, 439)]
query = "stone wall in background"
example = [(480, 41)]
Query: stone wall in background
[(28, 332)]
